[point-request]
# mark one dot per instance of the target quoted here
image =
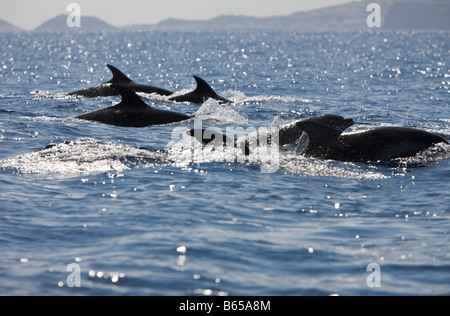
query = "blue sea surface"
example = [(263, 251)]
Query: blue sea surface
[(138, 216)]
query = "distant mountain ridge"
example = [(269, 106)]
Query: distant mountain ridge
[(395, 14)]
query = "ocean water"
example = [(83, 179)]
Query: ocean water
[(137, 215)]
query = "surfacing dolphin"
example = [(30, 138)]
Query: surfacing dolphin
[(201, 94), (326, 140), (132, 112), (286, 135), (379, 144), (289, 134), (106, 90)]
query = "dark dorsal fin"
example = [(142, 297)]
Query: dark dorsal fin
[(318, 133), (203, 87), (207, 137), (118, 76), (129, 97)]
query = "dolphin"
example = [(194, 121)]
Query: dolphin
[(375, 145), (132, 112), (289, 134), (201, 94), (106, 90), (327, 140)]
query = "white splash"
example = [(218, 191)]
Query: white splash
[(84, 156), (212, 110), (240, 98)]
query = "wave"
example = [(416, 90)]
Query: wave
[(188, 151), (328, 168), (212, 110), (91, 156), (84, 156), (238, 98), (47, 119), (431, 155), (48, 94)]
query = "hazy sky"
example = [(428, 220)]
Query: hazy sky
[(29, 14)]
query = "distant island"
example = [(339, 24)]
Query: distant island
[(59, 23), (7, 27), (395, 15)]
